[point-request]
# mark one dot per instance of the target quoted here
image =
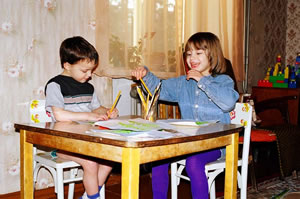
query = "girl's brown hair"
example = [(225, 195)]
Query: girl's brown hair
[(210, 43)]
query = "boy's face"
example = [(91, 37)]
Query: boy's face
[(80, 71)]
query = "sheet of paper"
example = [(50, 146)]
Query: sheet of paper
[(137, 124), (188, 122), (186, 127), (133, 136)]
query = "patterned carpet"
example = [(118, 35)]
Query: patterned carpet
[(274, 188)]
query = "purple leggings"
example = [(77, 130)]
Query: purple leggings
[(195, 168)]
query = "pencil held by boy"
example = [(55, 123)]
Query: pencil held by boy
[(70, 97), (204, 94)]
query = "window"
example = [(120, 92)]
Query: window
[(130, 33)]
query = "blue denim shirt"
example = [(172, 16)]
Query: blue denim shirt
[(212, 98)]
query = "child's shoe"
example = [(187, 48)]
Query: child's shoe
[(85, 196)]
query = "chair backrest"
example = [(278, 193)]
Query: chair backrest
[(168, 110), (37, 111), (242, 114)]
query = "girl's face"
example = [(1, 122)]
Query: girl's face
[(81, 71), (198, 60)]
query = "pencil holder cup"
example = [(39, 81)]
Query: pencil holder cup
[(149, 107), (150, 114)]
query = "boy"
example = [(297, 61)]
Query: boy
[(69, 97)]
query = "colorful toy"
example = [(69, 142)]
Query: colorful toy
[(297, 63), (268, 74), (282, 77), (264, 83), (277, 67), (286, 74), (277, 76)]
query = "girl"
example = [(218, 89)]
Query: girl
[(205, 93)]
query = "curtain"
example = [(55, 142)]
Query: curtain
[(223, 18), (152, 33), (130, 33)]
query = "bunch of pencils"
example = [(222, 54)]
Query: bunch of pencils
[(149, 105)]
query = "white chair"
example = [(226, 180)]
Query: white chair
[(56, 166), (242, 114)]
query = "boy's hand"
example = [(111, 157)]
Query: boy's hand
[(96, 117), (62, 115), (139, 72), (113, 114)]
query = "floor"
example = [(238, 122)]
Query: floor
[(267, 189), (276, 188), (266, 171)]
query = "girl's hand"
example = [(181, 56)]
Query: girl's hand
[(92, 116), (113, 114), (139, 72), (194, 74)]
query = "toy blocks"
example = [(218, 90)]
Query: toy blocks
[(278, 77), (264, 83)]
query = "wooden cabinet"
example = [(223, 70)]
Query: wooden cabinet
[(272, 117)]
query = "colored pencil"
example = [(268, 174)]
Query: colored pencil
[(115, 103), (146, 87), (142, 97)]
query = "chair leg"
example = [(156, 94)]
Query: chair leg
[(295, 174), (36, 167), (60, 183), (71, 190), (73, 173), (252, 172), (36, 171), (212, 192), (174, 181)]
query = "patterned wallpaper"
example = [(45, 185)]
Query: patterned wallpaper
[(267, 37), (31, 32), (293, 31), (274, 30)]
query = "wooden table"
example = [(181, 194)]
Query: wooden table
[(71, 136)]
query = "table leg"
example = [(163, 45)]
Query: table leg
[(231, 168), (26, 164), (130, 173)]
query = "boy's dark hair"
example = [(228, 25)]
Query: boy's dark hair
[(75, 49)]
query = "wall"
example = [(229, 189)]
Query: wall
[(30, 35), (274, 30), (293, 31), (267, 36), (124, 104)]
